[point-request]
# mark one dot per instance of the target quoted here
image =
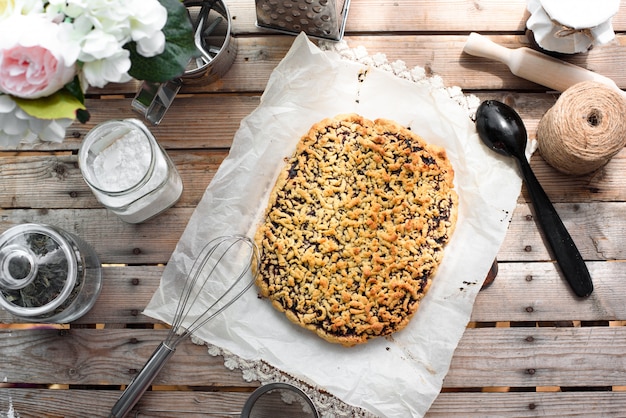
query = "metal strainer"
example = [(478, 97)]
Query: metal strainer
[(217, 50)]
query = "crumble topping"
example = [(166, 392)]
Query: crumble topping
[(355, 228)]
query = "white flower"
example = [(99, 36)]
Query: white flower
[(16, 126), (34, 61), (101, 28), (113, 69), (146, 24), (97, 45), (44, 44), (23, 7), (49, 130), (141, 21)]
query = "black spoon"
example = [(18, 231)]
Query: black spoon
[(502, 130)]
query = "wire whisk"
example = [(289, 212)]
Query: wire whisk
[(220, 273)]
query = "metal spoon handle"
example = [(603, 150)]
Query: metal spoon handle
[(142, 381), (563, 247)]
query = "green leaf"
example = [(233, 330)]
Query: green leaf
[(179, 48), (61, 104), (76, 89), (83, 115)]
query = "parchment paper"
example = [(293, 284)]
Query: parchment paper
[(396, 376)]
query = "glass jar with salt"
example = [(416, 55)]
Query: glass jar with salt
[(128, 171), (47, 274)]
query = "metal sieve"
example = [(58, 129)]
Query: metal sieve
[(279, 400), (217, 50)]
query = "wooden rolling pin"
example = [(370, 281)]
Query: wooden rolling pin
[(535, 66)]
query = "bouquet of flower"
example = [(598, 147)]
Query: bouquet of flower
[(52, 51)]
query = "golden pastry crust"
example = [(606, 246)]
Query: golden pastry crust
[(355, 228)]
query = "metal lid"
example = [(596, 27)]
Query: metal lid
[(38, 270)]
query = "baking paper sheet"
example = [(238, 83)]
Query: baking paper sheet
[(400, 375)]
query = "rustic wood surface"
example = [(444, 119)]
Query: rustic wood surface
[(531, 348)]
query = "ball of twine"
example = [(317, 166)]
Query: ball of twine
[(584, 129)]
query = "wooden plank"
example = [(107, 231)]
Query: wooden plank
[(45, 181), (604, 184), (485, 357), (540, 404), (105, 357), (57, 182), (522, 292), (126, 290), (419, 15), (409, 15), (528, 292), (125, 293), (115, 241), (42, 181), (598, 229), (219, 117), (441, 55), (37, 403), (530, 357)]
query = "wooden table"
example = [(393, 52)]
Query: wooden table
[(532, 348)]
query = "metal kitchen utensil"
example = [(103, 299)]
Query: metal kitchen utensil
[(217, 50), (279, 400), (324, 19), (220, 272)]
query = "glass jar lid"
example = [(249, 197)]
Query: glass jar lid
[(38, 270)]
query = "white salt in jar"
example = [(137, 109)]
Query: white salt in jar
[(128, 171)]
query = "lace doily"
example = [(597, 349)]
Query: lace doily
[(399, 68), (259, 371)]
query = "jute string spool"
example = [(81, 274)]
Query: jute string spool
[(584, 129)]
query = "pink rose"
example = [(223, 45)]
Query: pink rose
[(35, 61)]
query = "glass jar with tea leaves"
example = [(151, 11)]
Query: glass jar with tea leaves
[(47, 274)]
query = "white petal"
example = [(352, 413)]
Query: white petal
[(111, 70), (150, 47)]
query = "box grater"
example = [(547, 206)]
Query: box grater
[(318, 18)]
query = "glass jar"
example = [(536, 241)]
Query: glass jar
[(47, 274), (128, 171)]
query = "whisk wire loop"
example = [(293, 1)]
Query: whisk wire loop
[(212, 256)]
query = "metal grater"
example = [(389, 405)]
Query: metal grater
[(318, 18)]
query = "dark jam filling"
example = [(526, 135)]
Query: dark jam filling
[(274, 273)]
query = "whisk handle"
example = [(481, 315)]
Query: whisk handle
[(142, 381)]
